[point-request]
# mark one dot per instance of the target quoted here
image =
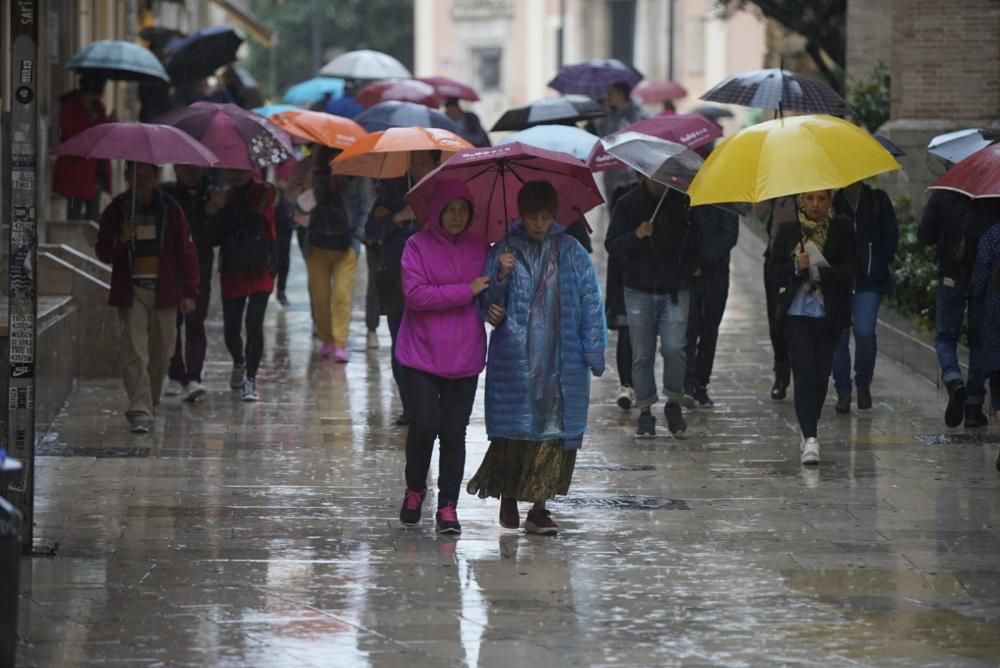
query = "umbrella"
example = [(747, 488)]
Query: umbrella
[(386, 154), (564, 138), (788, 156), (406, 90), (778, 89), (319, 127), (119, 61), (713, 113), (449, 88), (269, 110), (977, 176), (240, 138), (690, 130), (198, 55), (495, 175), (659, 159), (593, 77), (888, 145), (549, 110), (365, 64), (158, 36), (312, 90), (385, 115), (957, 146), (658, 92), (139, 142)]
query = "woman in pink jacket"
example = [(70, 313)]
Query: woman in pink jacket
[(442, 344)]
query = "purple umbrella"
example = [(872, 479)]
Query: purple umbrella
[(139, 142), (593, 77), (240, 138)]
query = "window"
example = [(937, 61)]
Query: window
[(622, 13), (488, 65)]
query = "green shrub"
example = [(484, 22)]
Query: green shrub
[(869, 100), (914, 270)]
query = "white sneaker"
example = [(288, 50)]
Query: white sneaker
[(372, 341), (193, 391), (250, 390), (173, 388), (810, 452), (626, 397)]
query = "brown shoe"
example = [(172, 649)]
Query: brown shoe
[(864, 398), (540, 522), (510, 517)]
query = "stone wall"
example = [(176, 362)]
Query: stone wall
[(869, 36)]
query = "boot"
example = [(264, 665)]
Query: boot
[(957, 396), (780, 387), (974, 417), (843, 404), (864, 398)]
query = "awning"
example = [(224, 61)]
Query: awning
[(246, 21)]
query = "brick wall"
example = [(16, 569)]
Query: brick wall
[(869, 36)]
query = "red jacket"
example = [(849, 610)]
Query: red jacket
[(73, 176), (178, 257), (259, 197)]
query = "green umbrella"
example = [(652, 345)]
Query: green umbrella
[(118, 60)]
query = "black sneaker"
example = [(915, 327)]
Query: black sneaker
[(446, 519), (675, 420), (864, 398), (701, 396), (283, 299), (975, 417), (843, 406), (409, 513), (957, 396), (647, 425)]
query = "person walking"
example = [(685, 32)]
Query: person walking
[(812, 265), (775, 213), (442, 345), (652, 235), (200, 202), (81, 180), (548, 340), (614, 307), (284, 226), (144, 236), (246, 234), (986, 287), (877, 234), (469, 125), (622, 111), (720, 231)]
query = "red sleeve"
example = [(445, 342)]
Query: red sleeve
[(187, 254), (72, 118), (109, 245)]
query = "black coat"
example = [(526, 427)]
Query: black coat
[(876, 234), (954, 223)]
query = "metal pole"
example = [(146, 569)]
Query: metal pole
[(672, 40), (562, 34), (17, 431)]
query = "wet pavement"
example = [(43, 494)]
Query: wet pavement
[(267, 535)]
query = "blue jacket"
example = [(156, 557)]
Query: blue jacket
[(541, 356)]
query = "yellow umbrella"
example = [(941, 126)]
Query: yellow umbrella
[(788, 156)]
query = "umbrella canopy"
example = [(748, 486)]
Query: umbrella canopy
[(778, 89), (658, 92), (200, 54), (385, 115), (788, 156), (405, 90), (549, 110), (386, 154), (957, 146), (313, 90), (269, 110), (365, 64), (658, 159), (139, 142), (689, 130), (563, 138), (119, 61), (888, 145), (711, 112), (977, 176), (319, 127), (241, 139), (448, 88), (593, 77), (495, 176)]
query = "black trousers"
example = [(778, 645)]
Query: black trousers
[(709, 293), (623, 357), (995, 390), (439, 409), (398, 370), (83, 209), (232, 324), (373, 258), (810, 350), (283, 249)]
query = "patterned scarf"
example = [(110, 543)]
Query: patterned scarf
[(814, 230)]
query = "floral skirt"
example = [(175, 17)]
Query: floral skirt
[(524, 470)]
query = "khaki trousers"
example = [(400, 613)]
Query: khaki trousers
[(331, 282), (148, 336)]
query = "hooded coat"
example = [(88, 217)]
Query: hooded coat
[(442, 331)]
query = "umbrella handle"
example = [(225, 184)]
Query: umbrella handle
[(658, 205)]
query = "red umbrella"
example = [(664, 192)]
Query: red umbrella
[(977, 176), (404, 90), (139, 142), (690, 130), (495, 176), (446, 88), (658, 92)]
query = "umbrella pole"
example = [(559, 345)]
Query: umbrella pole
[(506, 219), (659, 204)]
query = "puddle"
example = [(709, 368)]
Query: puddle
[(623, 502), (958, 439)]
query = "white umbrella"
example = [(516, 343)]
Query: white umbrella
[(365, 64), (957, 146)]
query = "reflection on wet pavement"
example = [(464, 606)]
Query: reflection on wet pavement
[(266, 535)]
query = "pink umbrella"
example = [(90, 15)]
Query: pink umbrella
[(495, 176), (690, 130), (241, 139), (977, 176), (446, 88), (658, 92), (404, 90), (139, 142)]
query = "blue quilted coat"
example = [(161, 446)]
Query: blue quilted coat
[(541, 357)]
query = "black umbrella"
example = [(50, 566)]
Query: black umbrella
[(568, 109), (713, 113), (199, 55), (778, 89)]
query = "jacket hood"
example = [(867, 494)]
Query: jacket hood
[(443, 193)]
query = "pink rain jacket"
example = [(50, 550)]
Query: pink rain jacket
[(442, 332)]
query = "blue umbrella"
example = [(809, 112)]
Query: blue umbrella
[(306, 92), (118, 60), (345, 106), (385, 115), (269, 110), (565, 138)]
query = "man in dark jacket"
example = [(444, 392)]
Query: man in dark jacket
[(876, 236), (709, 291), (659, 247), (954, 223), (469, 125)]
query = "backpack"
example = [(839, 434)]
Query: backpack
[(245, 246), (329, 227)]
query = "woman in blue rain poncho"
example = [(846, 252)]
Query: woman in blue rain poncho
[(549, 336)]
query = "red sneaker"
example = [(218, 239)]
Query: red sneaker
[(409, 514), (540, 522)]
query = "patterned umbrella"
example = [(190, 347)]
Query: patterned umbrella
[(977, 176), (549, 110), (200, 54), (406, 90), (778, 89), (140, 142), (385, 115), (448, 88), (365, 64), (119, 61), (593, 77)]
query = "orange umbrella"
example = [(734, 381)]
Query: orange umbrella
[(386, 154), (319, 127)]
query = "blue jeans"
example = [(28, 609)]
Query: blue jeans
[(650, 316), (864, 313), (952, 304)]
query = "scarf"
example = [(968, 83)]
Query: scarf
[(815, 230)]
